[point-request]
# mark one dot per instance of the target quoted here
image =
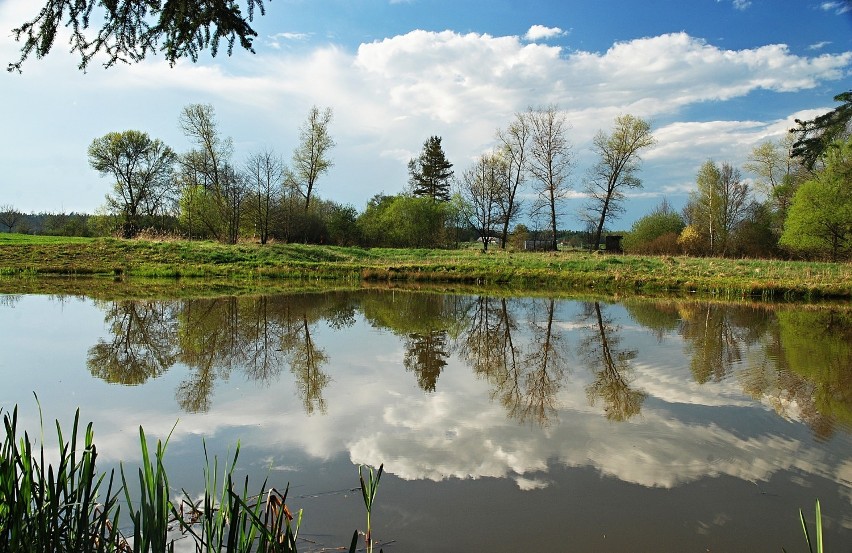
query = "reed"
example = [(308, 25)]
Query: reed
[(369, 487), (151, 519), (65, 508), (54, 508)]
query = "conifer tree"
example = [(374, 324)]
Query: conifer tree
[(430, 173)]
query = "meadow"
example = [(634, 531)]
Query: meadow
[(199, 264)]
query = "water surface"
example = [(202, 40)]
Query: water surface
[(504, 424)]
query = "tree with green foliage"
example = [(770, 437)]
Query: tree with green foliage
[(142, 168), (819, 221), (430, 173), (718, 205), (550, 162), (778, 177), (615, 170), (132, 29), (217, 188), (655, 233), (310, 158), (403, 221), (814, 137)]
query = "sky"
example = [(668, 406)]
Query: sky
[(715, 78)]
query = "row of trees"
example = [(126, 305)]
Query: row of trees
[(204, 189), (798, 203), (791, 208), (211, 196), (534, 153)]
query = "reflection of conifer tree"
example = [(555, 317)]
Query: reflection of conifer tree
[(610, 367), (142, 346), (545, 366), (425, 356)]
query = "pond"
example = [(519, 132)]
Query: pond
[(504, 424)]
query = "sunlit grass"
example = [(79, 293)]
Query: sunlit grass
[(776, 279)]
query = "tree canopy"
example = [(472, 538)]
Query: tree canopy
[(813, 137), (142, 168), (820, 218), (131, 29)]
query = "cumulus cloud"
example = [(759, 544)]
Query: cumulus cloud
[(540, 32), (389, 95)]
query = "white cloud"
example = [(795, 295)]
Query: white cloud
[(819, 45), (277, 40), (390, 94), (540, 32), (839, 7), (742, 5)]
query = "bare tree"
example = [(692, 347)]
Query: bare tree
[(481, 187), (551, 161), (264, 175), (9, 216), (618, 162), (310, 158), (514, 147)]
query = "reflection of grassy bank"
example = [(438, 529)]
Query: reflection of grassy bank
[(259, 267)]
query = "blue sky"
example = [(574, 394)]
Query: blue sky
[(714, 77)]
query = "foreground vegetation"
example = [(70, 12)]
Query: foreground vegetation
[(264, 267), (70, 507)]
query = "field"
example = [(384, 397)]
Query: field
[(194, 264)]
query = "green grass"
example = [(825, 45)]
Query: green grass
[(252, 265)]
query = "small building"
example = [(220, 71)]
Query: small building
[(612, 243), (538, 245)]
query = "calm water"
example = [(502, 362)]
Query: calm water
[(504, 425)]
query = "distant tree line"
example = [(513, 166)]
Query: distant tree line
[(799, 204)]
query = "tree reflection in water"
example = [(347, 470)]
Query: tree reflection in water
[(610, 367), (143, 342), (799, 360)]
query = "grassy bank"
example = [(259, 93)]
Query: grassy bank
[(23, 257)]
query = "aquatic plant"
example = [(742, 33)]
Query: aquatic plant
[(369, 487), (54, 508), (64, 508), (815, 546)]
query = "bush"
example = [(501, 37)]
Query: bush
[(653, 233)]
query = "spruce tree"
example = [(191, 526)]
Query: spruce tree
[(430, 173)]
